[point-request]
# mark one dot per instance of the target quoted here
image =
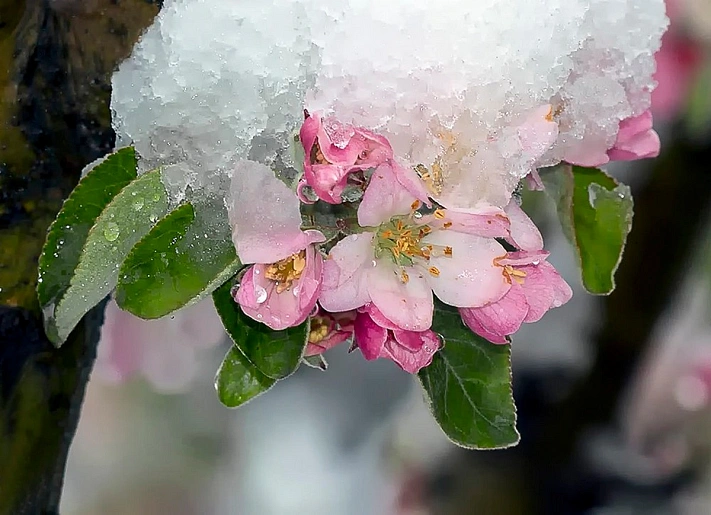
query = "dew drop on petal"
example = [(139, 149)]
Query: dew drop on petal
[(260, 294)]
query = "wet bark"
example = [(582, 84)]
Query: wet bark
[(56, 60)]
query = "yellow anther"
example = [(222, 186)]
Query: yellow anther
[(319, 329), (286, 271), (415, 205), (433, 270), (404, 277), (447, 225), (439, 214), (448, 251)]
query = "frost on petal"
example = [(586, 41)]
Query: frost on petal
[(344, 273), (265, 216), (524, 233), (384, 198), (409, 304), (636, 139), (369, 336), (544, 289), (469, 277), (498, 319)]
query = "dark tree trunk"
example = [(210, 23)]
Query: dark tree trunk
[(56, 60)]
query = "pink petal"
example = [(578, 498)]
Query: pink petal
[(408, 305), (489, 222), (677, 62), (344, 273), (544, 289), (384, 198), (377, 316), (469, 278), (369, 336), (524, 233), (499, 319), (409, 180), (328, 181), (409, 361), (636, 139), (265, 216)]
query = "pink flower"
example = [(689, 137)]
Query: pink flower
[(334, 150), (535, 286), (329, 330), (636, 139), (377, 337), (282, 294), (166, 351), (282, 287), (409, 252)]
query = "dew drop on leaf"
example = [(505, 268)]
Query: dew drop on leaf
[(111, 231)]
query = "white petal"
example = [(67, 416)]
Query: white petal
[(469, 278), (344, 273), (408, 304)]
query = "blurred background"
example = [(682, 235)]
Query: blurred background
[(613, 394)]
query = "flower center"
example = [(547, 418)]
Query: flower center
[(286, 271), (401, 240), (320, 327)]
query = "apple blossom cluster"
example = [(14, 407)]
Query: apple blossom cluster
[(417, 122), (376, 279)]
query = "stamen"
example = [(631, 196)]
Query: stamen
[(439, 214), (447, 225), (415, 205), (319, 329), (434, 271), (448, 251), (286, 271), (404, 277)]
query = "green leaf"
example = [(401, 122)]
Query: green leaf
[(123, 222), (468, 386), (596, 214), (239, 381), (277, 354), (179, 262), (68, 233)]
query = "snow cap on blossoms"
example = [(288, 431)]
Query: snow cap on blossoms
[(457, 86), (282, 287)]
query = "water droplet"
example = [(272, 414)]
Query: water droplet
[(374, 263), (153, 218), (417, 215), (256, 271), (427, 348), (557, 303), (259, 316), (138, 204), (536, 262), (261, 294), (296, 291), (111, 231)]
